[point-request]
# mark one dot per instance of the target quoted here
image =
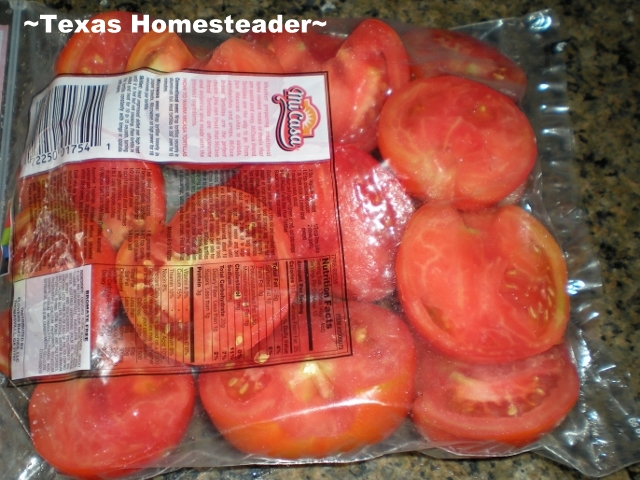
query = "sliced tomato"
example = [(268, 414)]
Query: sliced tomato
[(373, 207), (164, 52), (110, 426), (298, 52), (450, 139), (216, 227), (374, 210), (369, 65), (100, 52), (435, 52), (238, 55), (54, 238), (273, 184), (118, 195), (5, 343), (514, 403), (484, 286), (314, 409)]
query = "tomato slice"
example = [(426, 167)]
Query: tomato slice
[(298, 52), (216, 225), (454, 140), (324, 407), (238, 55), (374, 210), (435, 52), (164, 52), (513, 403), (373, 207), (104, 427), (369, 65), (118, 195), (484, 286), (99, 53)]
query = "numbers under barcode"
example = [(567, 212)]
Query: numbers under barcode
[(67, 115)]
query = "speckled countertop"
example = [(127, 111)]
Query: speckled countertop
[(604, 100)]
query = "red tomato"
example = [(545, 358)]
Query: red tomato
[(98, 53), (373, 206), (119, 195), (238, 55), (484, 286), (436, 52), (106, 427), (450, 139), (513, 403), (216, 225), (5, 343), (324, 407), (369, 65), (374, 210), (298, 52), (164, 52)]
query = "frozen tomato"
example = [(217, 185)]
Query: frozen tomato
[(450, 139), (374, 209), (118, 195), (435, 52), (217, 227), (5, 343), (324, 407), (370, 64), (298, 52), (483, 286), (109, 426), (99, 51), (513, 403), (238, 55), (164, 52)]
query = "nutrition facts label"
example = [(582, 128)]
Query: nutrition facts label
[(241, 312)]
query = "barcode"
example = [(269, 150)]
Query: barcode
[(67, 115)]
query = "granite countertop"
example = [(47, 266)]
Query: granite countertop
[(604, 101)]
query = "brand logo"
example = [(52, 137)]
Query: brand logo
[(298, 118)]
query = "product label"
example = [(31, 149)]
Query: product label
[(51, 324), (236, 262), (183, 117)]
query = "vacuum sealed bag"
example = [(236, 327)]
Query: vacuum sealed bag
[(318, 244)]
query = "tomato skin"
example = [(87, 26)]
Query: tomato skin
[(486, 286), (99, 53), (449, 139), (238, 55), (513, 403), (201, 225), (109, 426), (164, 52), (435, 52), (315, 409), (374, 210)]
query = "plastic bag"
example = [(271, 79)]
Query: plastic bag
[(599, 435)]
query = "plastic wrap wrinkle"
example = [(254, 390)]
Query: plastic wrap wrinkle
[(596, 438)]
